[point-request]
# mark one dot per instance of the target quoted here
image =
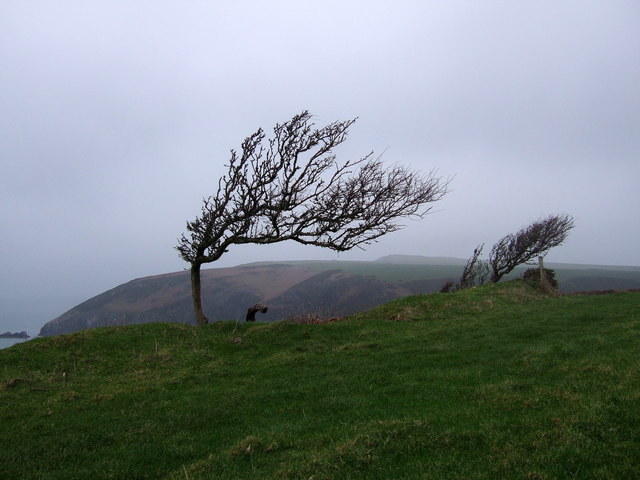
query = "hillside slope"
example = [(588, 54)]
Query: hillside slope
[(498, 382), (288, 290)]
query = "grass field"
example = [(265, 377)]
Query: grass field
[(495, 382)]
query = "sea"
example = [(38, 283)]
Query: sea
[(7, 342)]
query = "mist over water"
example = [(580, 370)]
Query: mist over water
[(7, 342)]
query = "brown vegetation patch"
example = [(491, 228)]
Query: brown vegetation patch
[(251, 445), (311, 319), (14, 382), (603, 292)]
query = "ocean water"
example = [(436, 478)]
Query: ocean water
[(7, 342)]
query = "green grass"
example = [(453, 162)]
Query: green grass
[(495, 382)]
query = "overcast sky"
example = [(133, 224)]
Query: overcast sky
[(116, 118)]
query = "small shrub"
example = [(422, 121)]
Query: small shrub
[(475, 271), (534, 274), (448, 287)]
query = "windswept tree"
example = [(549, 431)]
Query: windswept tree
[(292, 187), (530, 242)]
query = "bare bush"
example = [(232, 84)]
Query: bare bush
[(475, 272)]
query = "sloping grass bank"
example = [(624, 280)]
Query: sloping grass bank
[(495, 382)]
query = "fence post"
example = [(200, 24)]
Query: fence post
[(543, 275)]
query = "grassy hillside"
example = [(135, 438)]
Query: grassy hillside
[(496, 382), (390, 272)]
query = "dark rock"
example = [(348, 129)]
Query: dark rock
[(14, 335)]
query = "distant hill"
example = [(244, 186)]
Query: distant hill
[(421, 260), (288, 290), (324, 288)]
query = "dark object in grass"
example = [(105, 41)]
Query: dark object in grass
[(251, 313), (448, 287)]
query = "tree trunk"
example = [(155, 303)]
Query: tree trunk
[(251, 313), (196, 296)]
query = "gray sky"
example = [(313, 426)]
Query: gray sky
[(116, 118)]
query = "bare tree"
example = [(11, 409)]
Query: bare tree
[(292, 187), (475, 271), (532, 241)]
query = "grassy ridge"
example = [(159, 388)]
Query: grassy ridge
[(572, 278), (390, 272), (495, 382)]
